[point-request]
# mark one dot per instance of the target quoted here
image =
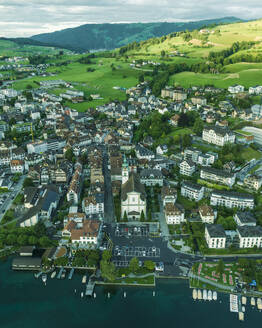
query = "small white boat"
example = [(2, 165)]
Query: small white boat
[(259, 304), (241, 316), (204, 294), (253, 301), (63, 274), (215, 296), (194, 294), (53, 274), (44, 278), (244, 300), (37, 275), (124, 294), (199, 294), (209, 295), (84, 279), (82, 295), (243, 309)]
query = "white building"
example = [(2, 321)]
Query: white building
[(236, 89), (151, 177), (218, 176), (187, 167), (218, 135), (17, 166), (174, 213), (192, 191), (168, 195), (207, 214), (249, 236), (253, 181), (94, 205), (232, 199), (245, 219), (215, 236), (74, 189), (257, 90)]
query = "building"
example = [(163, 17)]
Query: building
[(207, 214), (17, 166), (232, 199), (174, 213), (187, 167), (26, 250), (253, 181), (168, 195), (74, 190), (151, 177), (218, 135), (174, 120), (245, 219), (255, 132), (94, 205), (218, 176), (27, 263), (236, 89), (83, 234), (249, 236), (144, 153), (192, 191), (133, 196), (257, 90), (215, 236)]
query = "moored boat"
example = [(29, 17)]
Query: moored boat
[(214, 295), (204, 294), (199, 294), (253, 301), (209, 295), (194, 294), (259, 304), (84, 279), (244, 300), (44, 278), (53, 274)]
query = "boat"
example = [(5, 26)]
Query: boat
[(233, 303), (37, 275), (44, 278), (209, 295), (204, 294), (63, 274), (84, 279), (243, 309), (53, 274), (253, 301), (194, 294), (241, 316), (82, 294), (215, 296), (244, 300), (199, 294), (259, 304)]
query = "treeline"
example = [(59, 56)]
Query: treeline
[(38, 59), (221, 57)]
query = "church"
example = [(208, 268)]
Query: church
[(133, 195)]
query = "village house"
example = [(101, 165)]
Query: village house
[(168, 195), (217, 135), (151, 177), (187, 167), (75, 186), (207, 214), (17, 166), (174, 213), (249, 236), (192, 191), (215, 236)]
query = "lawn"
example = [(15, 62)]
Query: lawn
[(250, 153), (212, 185)]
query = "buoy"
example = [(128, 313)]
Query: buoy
[(94, 295), (124, 294)]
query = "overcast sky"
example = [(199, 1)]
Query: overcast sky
[(29, 17)]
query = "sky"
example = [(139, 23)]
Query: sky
[(23, 18)]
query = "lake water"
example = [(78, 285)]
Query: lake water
[(26, 302)]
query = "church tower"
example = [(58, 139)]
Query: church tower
[(125, 171)]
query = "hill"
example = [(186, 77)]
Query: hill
[(111, 36)]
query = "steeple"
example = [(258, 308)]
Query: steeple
[(125, 171)]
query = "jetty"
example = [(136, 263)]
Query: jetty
[(233, 303), (71, 273), (90, 288), (60, 273)]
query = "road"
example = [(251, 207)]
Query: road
[(162, 221), (12, 195), (109, 216)]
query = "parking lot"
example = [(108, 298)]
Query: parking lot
[(127, 231), (131, 251)]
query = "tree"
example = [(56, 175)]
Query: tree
[(134, 265), (28, 182), (141, 78), (198, 126), (142, 216), (163, 53), (45, 241), (69, 155), (220, 267), (186, 140), (106, 255), (149, 265), (11, 239), (125, 216), (108, 270), (32, 240), (40, 229), (22, 240)]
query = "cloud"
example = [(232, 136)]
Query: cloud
[(27, 17)]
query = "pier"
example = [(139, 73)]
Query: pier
[(90, 288), (60, 273), (71, 273)]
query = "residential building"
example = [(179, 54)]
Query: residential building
[(207, 214), (17, 166), (75, 186), (168, 195), (245, 219), (218, 135), (232, 199), (151, 177), (187, 167), (249, 236), (253, 181), (94, 205), (174, 213), (218, 176), (192, 191), (236, 89), (215, 236)]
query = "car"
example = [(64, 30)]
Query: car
[(144, 253), (153, 249), (140, 263)]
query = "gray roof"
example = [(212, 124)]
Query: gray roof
[(147, 173), (216, 231), (246, 217), (247, 231), (27, 262), (133, 184), (190, 185), (217, 172), (222, 131), (232, 194)]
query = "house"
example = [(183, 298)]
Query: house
[(245, 219), (133, 195), (174, 120), (94, 205), (174, 213), (144, 153), (253, 181), (232, 199), (249, 236), (207, 214), (162, 149), (187, 167), (192, 191), (257, 90), (151, 177), (168, 195), (218, 176), (218, 135), (83, 234), (17, 166), (74, 189), (236, 89), (215, 236), (199, 101)]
